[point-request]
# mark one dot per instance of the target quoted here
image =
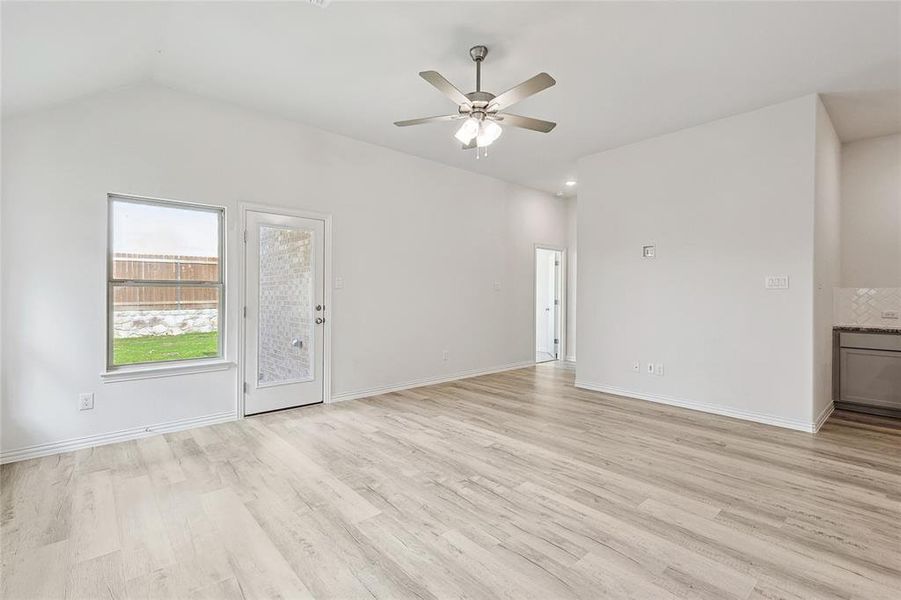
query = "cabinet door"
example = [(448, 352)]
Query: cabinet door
[(871, 377)]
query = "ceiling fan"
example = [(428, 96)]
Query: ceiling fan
[(481, 112)]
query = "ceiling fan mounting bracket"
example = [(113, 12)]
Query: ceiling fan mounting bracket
[(478, 53)]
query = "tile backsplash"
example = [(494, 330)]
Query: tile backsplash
[(861, 307)]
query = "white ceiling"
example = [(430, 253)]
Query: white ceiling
[(625, 71)]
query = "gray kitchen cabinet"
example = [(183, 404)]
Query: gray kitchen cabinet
[(870, 372)]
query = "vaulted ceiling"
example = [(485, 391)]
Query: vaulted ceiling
[(624, 71)]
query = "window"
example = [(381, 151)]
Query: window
[(165, 295)]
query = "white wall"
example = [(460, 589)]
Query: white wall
[(871, 213), (727, 203), (827, 255), (419, 246)]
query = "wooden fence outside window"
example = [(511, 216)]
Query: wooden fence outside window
[(168, 268)]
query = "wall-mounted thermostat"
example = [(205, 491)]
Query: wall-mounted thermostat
[(776, 282), (649, 251)]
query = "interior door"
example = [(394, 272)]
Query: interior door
[(548, 287), (285, 312)]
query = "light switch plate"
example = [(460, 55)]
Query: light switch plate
[(86, 401), (776, 282), (339, 283)]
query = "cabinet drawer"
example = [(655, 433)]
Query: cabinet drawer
[(872, 341)]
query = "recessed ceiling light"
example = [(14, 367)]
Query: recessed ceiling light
[(570, 183)]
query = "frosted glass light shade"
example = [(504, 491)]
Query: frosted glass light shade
[(488, 132), (468, 130)]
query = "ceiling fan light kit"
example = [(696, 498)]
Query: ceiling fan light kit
[(481, 111)]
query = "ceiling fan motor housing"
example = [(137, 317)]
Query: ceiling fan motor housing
[(480, 102), (478, 53)]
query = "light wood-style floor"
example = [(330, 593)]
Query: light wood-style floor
[(513, 485)]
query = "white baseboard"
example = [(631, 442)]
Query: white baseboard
[(376, 391), (38, 450), (821, 418), (123, 435), (796, 424), (571, 358)]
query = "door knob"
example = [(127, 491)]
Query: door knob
[(297, 343), (320, 320), (318, 307)]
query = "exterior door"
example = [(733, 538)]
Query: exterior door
[(285, 312)]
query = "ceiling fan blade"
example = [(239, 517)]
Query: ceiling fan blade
[(428, 120), (470, 145), (542, 81), (525, 122), (445, 87)]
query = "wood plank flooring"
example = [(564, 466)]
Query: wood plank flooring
[(514, 485)]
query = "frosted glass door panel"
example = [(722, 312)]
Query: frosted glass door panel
[(286, 313)]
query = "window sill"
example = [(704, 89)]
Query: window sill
[(155, 371)]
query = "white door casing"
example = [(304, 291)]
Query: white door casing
[(556, 283)]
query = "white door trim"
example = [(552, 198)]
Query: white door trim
[(244, 208), (561, 354)]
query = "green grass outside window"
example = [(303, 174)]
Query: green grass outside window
[(155, 348)]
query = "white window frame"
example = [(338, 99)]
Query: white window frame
[(112, 282)]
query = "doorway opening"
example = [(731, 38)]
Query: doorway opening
[(549, 305)]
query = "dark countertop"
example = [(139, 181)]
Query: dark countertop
[(867, 329)]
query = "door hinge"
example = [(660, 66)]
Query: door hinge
[(556, 341), (245, 236), (245, 312), (556, 301), (556, 263), (245, 387)]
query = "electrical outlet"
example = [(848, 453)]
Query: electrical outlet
[(636, 366), (658, 369), (339, 283), (497, 286), (776, 282), (890, 314), (650, 368), (444, 355), (86, 401)]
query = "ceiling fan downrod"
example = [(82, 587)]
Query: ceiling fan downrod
[(478, 54)]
